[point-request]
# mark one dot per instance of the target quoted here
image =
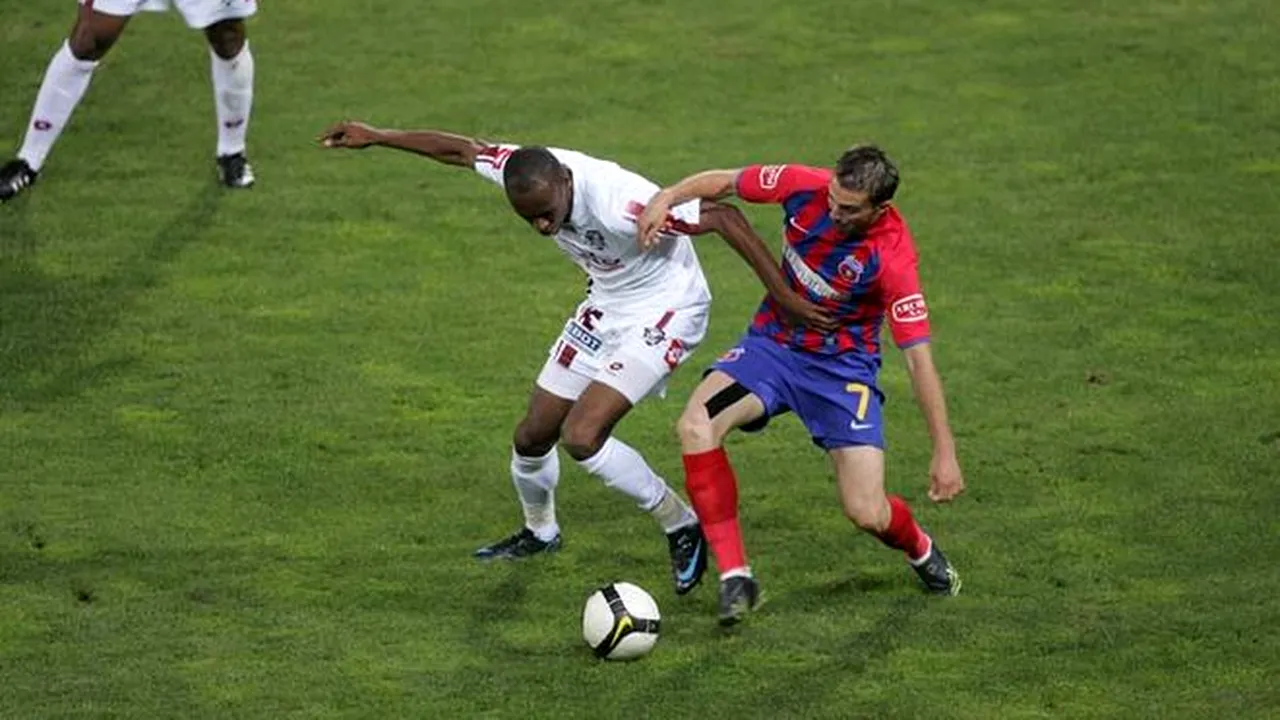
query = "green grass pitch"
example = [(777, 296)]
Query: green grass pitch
[(248, 440)]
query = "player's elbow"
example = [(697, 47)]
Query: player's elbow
[(710, 220), (724, 220), (468, 150)]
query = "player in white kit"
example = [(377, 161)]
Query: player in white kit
[(98, 25), (645, 312)]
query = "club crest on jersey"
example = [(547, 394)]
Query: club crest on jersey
[(910, 309), (654, 337), (594, 238), (850, 269)]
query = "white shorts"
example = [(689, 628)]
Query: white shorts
[(631, 351), (199, 14)]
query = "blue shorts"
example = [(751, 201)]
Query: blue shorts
[(835, 396)]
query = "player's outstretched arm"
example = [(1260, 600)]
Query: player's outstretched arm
[(729, 222), (443, 147), (706, 185), (945, 479)]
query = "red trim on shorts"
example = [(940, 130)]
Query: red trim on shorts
[(666, 318), (567, 354)]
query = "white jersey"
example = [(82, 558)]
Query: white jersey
[(600, 235)]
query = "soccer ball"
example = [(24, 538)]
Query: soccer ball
[(620, 622)]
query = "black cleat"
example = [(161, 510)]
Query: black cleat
[(936, 572), (688, 547), (234, 171), (739, 595), (15, 176), (521, 545)]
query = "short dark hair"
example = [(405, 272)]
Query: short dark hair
[(865, 168), (528, 167)]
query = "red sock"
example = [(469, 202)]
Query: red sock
[(903, 533), (713, 490)]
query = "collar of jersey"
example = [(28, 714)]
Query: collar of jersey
[(578, 216)]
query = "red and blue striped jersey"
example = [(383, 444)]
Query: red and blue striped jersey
[(860, 279)]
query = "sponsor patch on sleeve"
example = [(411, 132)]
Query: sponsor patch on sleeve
[(910, 309), (769, 175)]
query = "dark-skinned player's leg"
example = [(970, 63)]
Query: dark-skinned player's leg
[(535, 471), (232, 69), (587, 436), (65, 81)]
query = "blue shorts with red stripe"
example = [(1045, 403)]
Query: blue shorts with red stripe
[(835, 396)]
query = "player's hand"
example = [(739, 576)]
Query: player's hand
[(802, 312), (349, 134), (945, 480), (651, 221)]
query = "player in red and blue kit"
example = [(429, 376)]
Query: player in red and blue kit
[(848, 250)]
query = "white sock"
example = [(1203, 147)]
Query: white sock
[(535, 479), (65, 82), (622, 468), (233, 96), (672, 513)]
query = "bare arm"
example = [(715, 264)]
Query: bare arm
[(706, 185), (443, 147), (729, 222), (945, 479)]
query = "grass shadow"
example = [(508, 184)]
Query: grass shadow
[(800, 690), (47, 322), (803, 691)]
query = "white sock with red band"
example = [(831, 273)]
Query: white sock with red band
[(65, 82), (623, 469), (535, 479), (233, 97)]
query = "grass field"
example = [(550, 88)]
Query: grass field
[(248, 441)]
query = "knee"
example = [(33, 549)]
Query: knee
[(583, 439), (869, 514), (697, 432), (89, 43), (533, 441), (226, 38)]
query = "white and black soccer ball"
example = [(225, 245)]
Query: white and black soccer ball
[(620, 622)]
